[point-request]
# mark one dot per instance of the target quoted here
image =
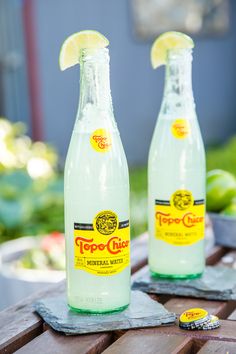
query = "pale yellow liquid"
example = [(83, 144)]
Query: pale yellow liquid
[(95, 182), (175, 164)]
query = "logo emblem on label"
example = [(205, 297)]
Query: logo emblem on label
[(106, 222), (180, 128), (194, 314), (182, 199), (100, 140)]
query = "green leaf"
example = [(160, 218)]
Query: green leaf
[(14, 184), (14, 213)]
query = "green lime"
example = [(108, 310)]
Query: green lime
[(165, 42), (230, 210), (220, 189), (70, 50)]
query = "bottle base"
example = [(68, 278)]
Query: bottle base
[(175, 276), (94, 312)]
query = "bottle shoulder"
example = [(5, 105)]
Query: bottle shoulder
[(177, 129), (91, 118), (177, 139), (91, 164)]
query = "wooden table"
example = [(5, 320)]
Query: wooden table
[(23, 332)]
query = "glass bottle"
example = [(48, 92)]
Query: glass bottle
[(96, 197), (176, 178)]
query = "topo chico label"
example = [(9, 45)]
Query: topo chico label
[(180, 221), (103, 247), (100, 140), (180, 128)]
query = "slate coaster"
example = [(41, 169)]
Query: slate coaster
[(216, 283), (142, 312)]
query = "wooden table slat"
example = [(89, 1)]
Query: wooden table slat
[(51, 342), (139, 251), (213, 347), (229, 259), (232, 316), (19, 324), (149, 343), (216, 254), (180, 304), (226, 332), (22, 329)]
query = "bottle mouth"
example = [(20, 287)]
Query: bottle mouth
[(179, 52), (94, 55)]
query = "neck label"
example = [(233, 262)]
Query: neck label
[(180, 128), (100, 140)]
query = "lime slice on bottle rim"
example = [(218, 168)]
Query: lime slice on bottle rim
[(71, 47), (165, 42)]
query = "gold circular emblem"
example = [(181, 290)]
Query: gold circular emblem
[(182, 199), (192, 315), (100, 140), (180, 128), (106, 222)]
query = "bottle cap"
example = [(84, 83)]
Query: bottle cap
[(198, 319), (212, 324), (193, 317)]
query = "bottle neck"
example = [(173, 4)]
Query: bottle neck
[(178, 94), (94, 81)]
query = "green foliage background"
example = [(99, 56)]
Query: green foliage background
[(33, 206)]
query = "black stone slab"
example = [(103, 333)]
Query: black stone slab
[(216, 283), (142, 312)]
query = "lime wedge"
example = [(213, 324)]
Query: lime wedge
[(166, 41), (70, 49)]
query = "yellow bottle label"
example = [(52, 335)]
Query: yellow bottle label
[(194, 314), (103, 247), (180, 220), (100, 140), (180, 128)]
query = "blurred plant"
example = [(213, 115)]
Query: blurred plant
[(17, 151), (49, 254), (31, 190), (223, 157)]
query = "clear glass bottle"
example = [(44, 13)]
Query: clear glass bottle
[(176, 178), (96, 198)]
